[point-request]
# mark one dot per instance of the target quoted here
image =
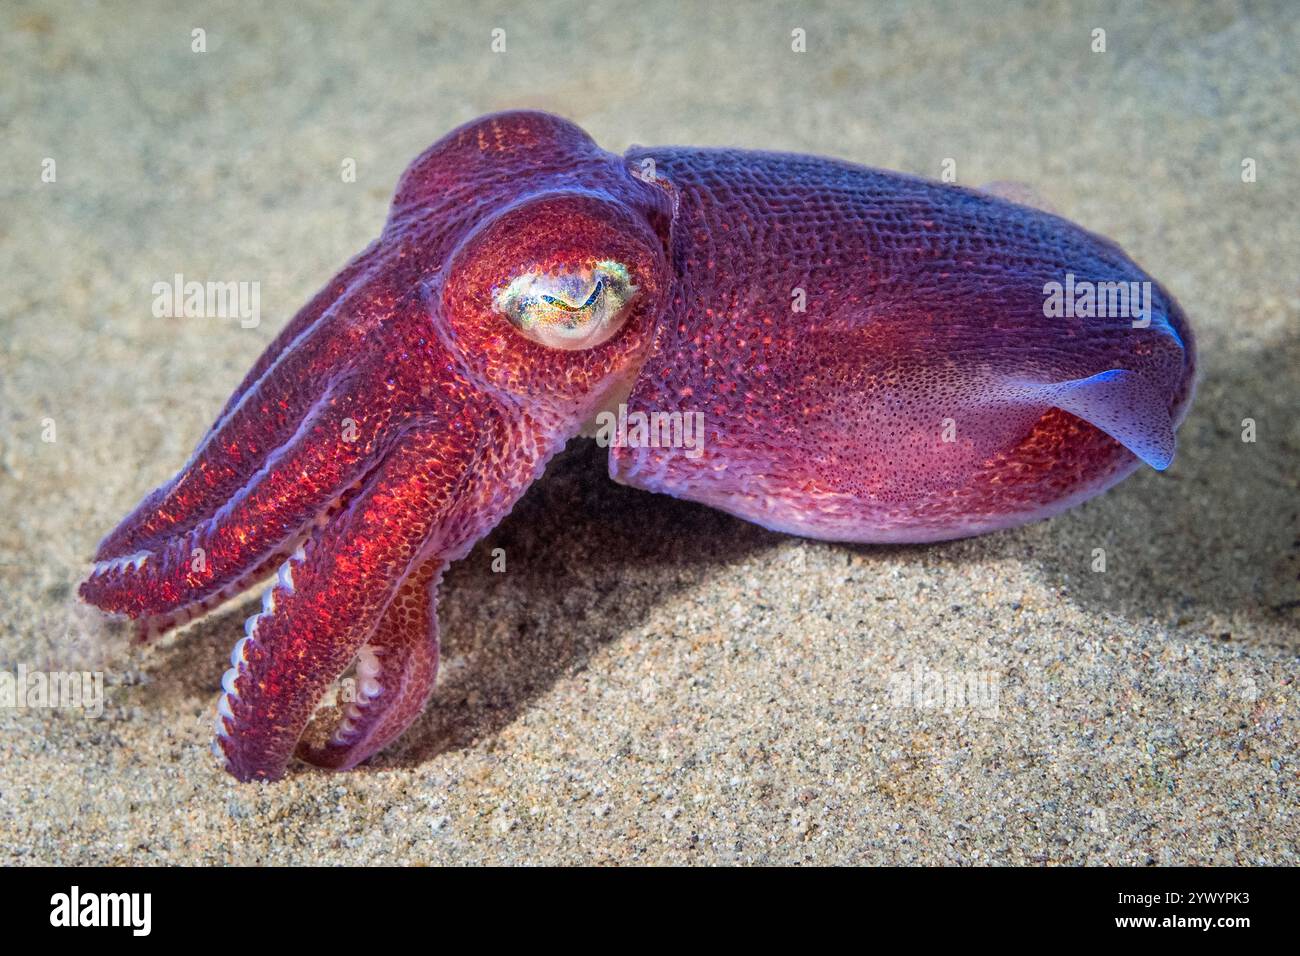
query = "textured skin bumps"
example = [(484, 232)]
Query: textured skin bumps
[(923, 319), (869, 354)]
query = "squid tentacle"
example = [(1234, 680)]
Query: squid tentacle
[(256, 423), (310, 630), (296, 487), (396, 670)]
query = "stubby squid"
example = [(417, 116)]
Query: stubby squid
[(873, 358)]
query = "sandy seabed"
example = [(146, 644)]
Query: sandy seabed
[(652, 681)]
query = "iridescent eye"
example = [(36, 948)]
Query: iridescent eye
[(568, 310)]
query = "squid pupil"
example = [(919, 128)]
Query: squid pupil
[(564, 305)]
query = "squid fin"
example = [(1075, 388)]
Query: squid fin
[(1125, 407)]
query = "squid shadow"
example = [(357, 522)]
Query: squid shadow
[(579, 561)]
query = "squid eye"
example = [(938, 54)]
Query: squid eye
[(568, 310)]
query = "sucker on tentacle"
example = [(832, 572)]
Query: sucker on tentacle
[(868, 356)]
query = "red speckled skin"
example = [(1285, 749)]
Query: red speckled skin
[(398, 418), (924, 303)]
